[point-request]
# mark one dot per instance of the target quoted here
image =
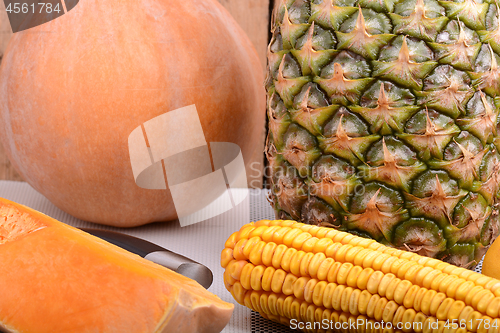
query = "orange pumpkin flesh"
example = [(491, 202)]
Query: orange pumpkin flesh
[(73, 89), (57, 279)]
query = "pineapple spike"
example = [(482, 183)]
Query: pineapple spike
[(281, 77), (482, 125), (442, 196), (287, 88), (490, 187), (359, 29), (467, 160), (464, 168), (360, 23), (490, 81), (438, 203), (383, 101), (420, 14), (360, 41), (477, 220), (286, 24), (349, 147), (388, 157), (489, 116), (304, 107), (404, 53), (304, 104)]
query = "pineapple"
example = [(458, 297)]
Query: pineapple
[(383, 119)]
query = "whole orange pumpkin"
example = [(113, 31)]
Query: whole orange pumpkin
[(73, 89)]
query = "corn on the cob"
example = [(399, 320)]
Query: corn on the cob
[(288, 271)]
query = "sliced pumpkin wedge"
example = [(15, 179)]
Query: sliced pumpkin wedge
[(57, 279)]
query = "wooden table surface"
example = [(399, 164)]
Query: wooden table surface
[(252, 15)]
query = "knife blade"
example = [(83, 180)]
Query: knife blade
[(157, 254)]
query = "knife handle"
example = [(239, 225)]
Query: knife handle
[(157, 254)]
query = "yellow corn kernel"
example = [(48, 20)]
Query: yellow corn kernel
[(364, 276), (345, 298), (474, 299), (293, 234), (337, 297), (389, 311), (238, 249), (255, 256), (309, 244), (332, 273), (263, 223), (267, 235), (278, 255), (343, 273), (328, 295), (317, 295), (278, 279), (267, 278), (379, 308), (351, 253), (436, 301), (451, 291), (309, 290), (324, 268), (304, 264), (384, 283), (267, 253), (494, 308), (410, 296), (370, 258), (363, 300), (287, 288), (409, 316), (341, 252), (464, 289), (411, 273), (372, 305), (331, 250), (295, 261), (426, 301), (322, 244), (429, 278), (286, 259), (391, 289), (401, 291), (418, 321), (279, 234), (374, 281), (353, 276), (444, 308), (315, 263), (455, 310), (380, 259), (386, 265), (245, 231), (481, 304), (226, 257), (299, 287), (238, 292)]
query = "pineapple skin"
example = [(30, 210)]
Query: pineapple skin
[(383, 120)]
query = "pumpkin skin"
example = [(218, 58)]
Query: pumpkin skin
[(73, 89), (60, 279)]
